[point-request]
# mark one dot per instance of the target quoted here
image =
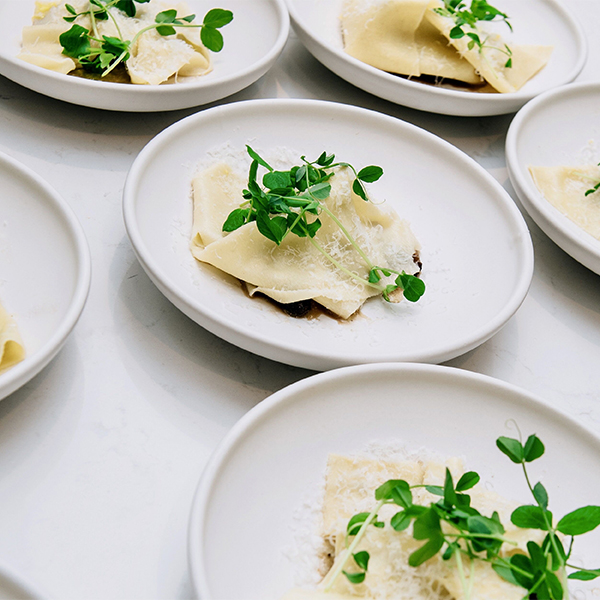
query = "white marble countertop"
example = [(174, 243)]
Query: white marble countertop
[(100, 454)]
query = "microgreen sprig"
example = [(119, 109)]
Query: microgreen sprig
[(468, 534), (466, 20), (102, 55), (292, 202)]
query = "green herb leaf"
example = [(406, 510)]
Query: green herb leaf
[(413, 287), (427, 551), (75, 41), (541, 495), (401, 495), (273, 229), (533, 449), (166, 30), (128, 7), (554, 585), (522, 565), (212, 39), (370, 174), (321, 191), (217, 18), (359, 190), (505, 572), (355, 577), (362, 559), (400, 521), (580, 521), (585, 574), (436, 490), (512, 448), (236, 219), (531, 517), (427, 525), (384, 491), (166, 16), (258, 159), (467, 481), (277, 180)]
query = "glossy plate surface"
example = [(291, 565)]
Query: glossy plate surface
[(476, 252), (251, 494), (544, 22), (44, 268), (561, 127), (244, 59)]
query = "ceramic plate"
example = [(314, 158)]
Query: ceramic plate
[(13, 587), (544, 22), (44, 266), (251, 494), (477, 250), (561, 127), (244, 59)]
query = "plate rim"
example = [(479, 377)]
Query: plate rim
[(11, 64), (17, 580), (22, 372), (286, 352), (255, 416), (486, 104), (571, 238)]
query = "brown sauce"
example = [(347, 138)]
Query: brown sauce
[(118, 75), (451, 84)]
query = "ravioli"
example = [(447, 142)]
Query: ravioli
[(296, 270), (11, 345), (349, 486), (408, 37), (154, 59), (565, 188)]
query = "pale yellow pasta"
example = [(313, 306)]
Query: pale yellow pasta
[(296, 270), (11, 345)]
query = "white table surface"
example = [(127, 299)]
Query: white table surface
[(100, 454)]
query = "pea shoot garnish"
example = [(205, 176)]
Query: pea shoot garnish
[(466, 20), (292, 203), (102, 54), (594, 189), (456, 530)]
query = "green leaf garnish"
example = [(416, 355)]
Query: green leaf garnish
[(457, 530), (101, 56), (292, 202)]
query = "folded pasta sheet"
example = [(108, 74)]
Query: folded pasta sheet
[(11, 346), (409, 37), (154, 58), (395, 36), (296, 270), (349, 490), (565, 188)]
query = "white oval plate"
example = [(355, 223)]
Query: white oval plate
[(246, 57), (561, 127), (544, 22), (477, 251), (44, 265), (14, 587), (274, 458)]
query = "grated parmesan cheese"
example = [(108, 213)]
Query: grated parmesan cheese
[(348, 489)]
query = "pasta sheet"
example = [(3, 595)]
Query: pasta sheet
[(408, 37), (154, 59), (296, 270), (11, 346), (565, 188)]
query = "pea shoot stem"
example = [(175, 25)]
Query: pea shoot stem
[(350, 551)]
